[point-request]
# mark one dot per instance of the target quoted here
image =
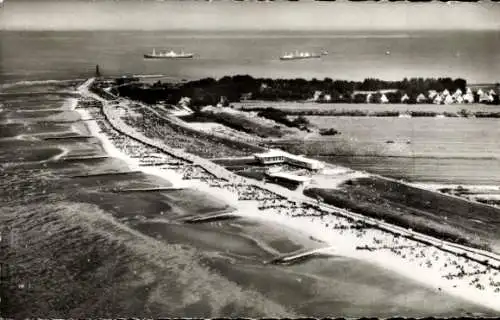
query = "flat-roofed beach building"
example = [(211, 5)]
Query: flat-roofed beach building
[(270, 157), (277, 156), (289, 178)]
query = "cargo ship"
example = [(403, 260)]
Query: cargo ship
[(302, 55), (167, 55)]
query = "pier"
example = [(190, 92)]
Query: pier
[(69, 159), (69, 137), (211, 217), (158, 164), (106, 174), (300, 255), (154, 189)]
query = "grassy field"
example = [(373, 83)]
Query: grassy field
[(235, 122), (431, 213), (192, 141), (366, 107)]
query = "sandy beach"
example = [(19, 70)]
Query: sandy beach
[(437, 266)]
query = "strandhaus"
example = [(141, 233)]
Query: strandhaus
[(277, 156)]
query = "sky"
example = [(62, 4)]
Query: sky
[(229, 15)]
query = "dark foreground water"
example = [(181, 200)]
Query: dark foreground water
[(73, 248)]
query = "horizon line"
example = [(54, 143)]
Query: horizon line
[(497, 29)]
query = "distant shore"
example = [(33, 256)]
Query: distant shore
[(232, 89)]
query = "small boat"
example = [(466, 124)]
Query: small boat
[(167, 55), (389, 141), (387, 52), (300, 56)]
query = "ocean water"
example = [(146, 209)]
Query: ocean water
[(439, 150), (352, 55)]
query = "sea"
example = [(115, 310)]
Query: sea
[(456, 151), (71, 247), (472, 55)]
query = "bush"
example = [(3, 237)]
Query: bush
[(328, 132)]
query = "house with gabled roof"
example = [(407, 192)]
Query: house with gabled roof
[(421, 98)]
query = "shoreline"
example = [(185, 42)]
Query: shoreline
[(382, 259), (134, 164), (114, 152), (387, 260)]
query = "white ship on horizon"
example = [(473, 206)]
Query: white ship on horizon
[(167, 55), (302, 55)]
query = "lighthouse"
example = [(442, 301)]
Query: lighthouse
[(97, 72)]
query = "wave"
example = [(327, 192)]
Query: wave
[(36, 82), (62, 81), (104, 254), (149, 75)]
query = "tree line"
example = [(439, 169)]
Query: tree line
[(209, 91)]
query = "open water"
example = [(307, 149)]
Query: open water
[(473, 56)]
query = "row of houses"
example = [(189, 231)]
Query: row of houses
[(444, 97)]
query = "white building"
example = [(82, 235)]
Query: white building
[(448, 99), (468, 96), (289, 177), (421, 98), (317, 95), (405, 98), (485, 97), (270, 157), (432, 94), (368, 98), (383, 99), (276, 156), (184, 102), (438, 99), (458, 92)]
